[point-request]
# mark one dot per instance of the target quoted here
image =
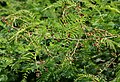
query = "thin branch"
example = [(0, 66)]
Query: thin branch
[(75, 48), (48, 51)]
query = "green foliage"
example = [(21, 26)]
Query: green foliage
[(59, 40)]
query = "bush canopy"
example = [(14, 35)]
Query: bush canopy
[(59, 41)]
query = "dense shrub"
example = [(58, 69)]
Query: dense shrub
[(59, 40)]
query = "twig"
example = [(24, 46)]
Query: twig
[(75, 48), (107, 65), (48, 51)]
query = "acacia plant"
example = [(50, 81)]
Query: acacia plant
[(59, 41)]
